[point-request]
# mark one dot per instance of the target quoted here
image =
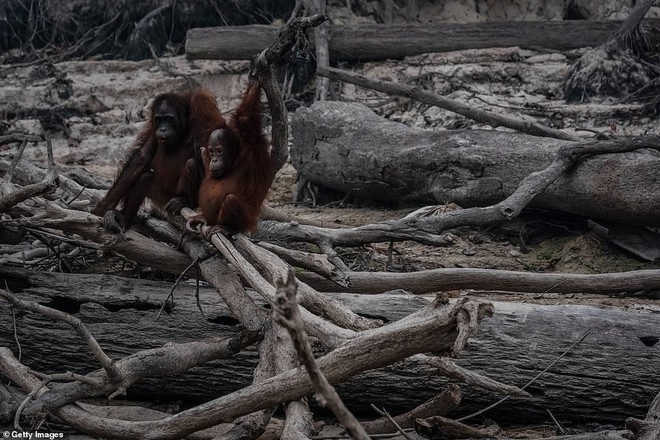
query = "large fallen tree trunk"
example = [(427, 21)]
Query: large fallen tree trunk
[(378, 42), (591, 384), (348, 148)]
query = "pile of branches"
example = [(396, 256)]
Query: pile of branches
[(118, 29)]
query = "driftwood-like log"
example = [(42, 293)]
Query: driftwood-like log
[(434, 280), (378, 42), (592, 383), (348, 148)]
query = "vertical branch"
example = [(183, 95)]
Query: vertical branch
[(411, 11), (52, 169), (388, 15), (263, 70), (9, 196), (322, 41), (288, 315), (296, 10), (14, 163)]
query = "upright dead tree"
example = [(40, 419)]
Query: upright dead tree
[(616, 67), (321, 42)]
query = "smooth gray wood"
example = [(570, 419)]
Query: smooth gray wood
[(348, 148), (121, 313), (444, 279), (377, 42), (610, 376)]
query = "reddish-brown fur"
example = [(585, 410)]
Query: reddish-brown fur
[(169, 172), (232, 201)]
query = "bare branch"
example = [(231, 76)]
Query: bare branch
[(132, 244), (414, 92), (16, 137), (327, 332), (321, 43), (433, 280), (317, 263), (431, 426), (105, 361), (12, 168), (439, 405), (49, 184), (274, 268), (288, 315), (447, 368), (270, 213), (424, 230), (431, 329), (391, 420), (292, 33), (224, 279), (355, 236), (162, 361)]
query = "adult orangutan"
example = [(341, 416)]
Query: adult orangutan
[(238, 169), (164, 164)]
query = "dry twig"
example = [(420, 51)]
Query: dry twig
[(391, 420), (438, 405), (17, 195), (170, 296), (290, 35), (445, 367)]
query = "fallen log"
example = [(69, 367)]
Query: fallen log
[(593, 383), (348, 148), (439, 327), (379, 42), (435, 280)]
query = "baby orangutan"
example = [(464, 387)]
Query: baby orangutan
[(238, 170)]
